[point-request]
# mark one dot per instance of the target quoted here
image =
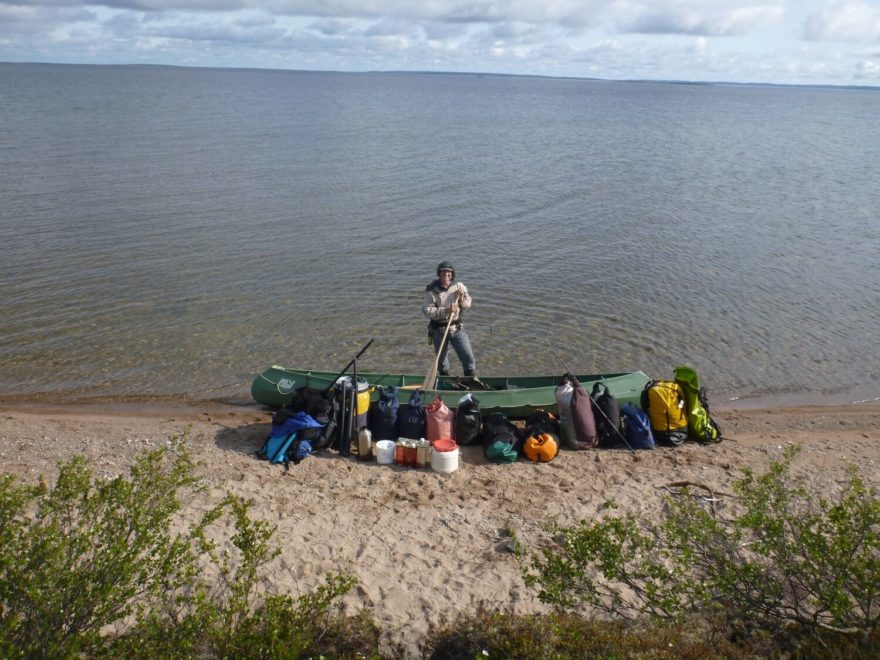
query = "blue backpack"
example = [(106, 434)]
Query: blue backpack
[(636, 427), (285, 443)]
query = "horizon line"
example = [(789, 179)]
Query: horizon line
[(674, 81)]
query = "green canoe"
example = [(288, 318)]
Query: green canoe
[(515, 396)]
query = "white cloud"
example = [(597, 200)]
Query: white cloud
[(866, 67), (387, 27), (846, 20), (660, 16), (31, 19), (235, 31), (697, 17), (332, 26), (737, 40), (438, 31)]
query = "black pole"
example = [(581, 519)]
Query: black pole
[(340, 415), (344, 423), (350, 422), (348, 366), (354, 407)]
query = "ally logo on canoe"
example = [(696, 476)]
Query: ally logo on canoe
[(285, 385)]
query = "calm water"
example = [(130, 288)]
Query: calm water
[(173, 232)]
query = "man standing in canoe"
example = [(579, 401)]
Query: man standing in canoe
[(445, 301)]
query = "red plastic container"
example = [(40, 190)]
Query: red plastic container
[(444, 444)]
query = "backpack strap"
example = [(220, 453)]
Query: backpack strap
[(290, 454), (645, 398), (703, 398)]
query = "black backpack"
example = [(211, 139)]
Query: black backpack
[(311, 401), (323, 408), (540, 422), (606, 412)]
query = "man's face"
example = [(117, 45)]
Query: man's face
[(445, 278)]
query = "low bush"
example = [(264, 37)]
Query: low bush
[(93, 567), (488, 634), (803, 569)]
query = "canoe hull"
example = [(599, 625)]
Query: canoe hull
[(515, 396)]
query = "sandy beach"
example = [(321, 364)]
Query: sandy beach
[(425, 545)]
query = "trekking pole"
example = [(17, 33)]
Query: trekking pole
[(344, 422), (348, 420), (355, 396), (602, 412), (340, 415)]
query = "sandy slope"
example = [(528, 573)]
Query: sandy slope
[(426, 545)]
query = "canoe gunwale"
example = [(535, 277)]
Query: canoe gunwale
[(517, 396)]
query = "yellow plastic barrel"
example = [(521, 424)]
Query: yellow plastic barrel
[(363, 397)]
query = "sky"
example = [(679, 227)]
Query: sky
[(833, 42)]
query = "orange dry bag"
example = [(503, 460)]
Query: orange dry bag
[(541, 448)]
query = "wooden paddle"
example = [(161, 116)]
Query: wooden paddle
[(431, 378)]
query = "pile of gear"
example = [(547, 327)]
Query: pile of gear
[(670, 412)]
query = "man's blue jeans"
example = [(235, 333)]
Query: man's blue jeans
[(462, 345)]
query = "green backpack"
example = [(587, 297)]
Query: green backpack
[(701, 426)]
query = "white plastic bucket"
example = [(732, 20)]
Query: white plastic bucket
[(385, 452), (444, 462)]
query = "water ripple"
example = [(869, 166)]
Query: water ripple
[(173, 231)]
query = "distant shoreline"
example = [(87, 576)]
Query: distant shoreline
[(479, 74)]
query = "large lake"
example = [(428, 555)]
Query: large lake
[(171, 232)]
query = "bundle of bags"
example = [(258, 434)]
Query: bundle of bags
[(502, 441), (305, 424), (671, 411)]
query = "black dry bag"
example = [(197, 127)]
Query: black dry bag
[(468, 420), (411, 417), (383, 415)]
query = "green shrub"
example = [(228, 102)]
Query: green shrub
[(278, 626), (798, 566), (92, 567), (78, 556), (488, 634)]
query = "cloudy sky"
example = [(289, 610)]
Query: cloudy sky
[(780, 41)]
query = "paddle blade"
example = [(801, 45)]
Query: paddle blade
[(431, 379)]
